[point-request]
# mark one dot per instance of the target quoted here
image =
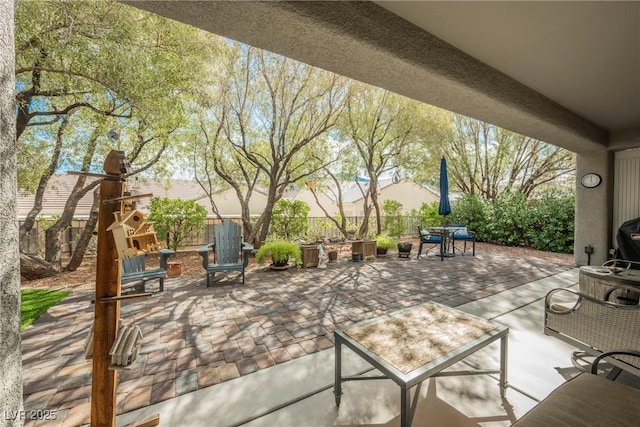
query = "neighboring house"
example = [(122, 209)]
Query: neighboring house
[(226, 200), (305, 195), (60, 186), (410, 194), (55, 197), (405, 191)]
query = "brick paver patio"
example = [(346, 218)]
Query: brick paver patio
[(196, 337)]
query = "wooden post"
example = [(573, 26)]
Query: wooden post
[(105, 326)]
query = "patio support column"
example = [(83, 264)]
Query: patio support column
[(594, 207), (10, 340)]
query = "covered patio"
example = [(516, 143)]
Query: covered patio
[(235, 354), (192, 375)]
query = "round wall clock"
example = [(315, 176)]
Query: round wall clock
[(591, 180)]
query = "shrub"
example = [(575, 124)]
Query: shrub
[(428, 216), (507, 220), (393, 219), (551, 219), (472, 211), (545, 223), (175, 219), (383, 241), (280, 251), (289, 219)]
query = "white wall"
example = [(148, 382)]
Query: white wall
[(626, 192)]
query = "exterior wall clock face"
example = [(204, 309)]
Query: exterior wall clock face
[(591, 180)]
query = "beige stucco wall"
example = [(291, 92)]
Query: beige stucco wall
[(593, 207), (10, 354)]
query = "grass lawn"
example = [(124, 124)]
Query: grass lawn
[(36, 302)]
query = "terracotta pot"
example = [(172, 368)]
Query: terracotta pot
[(174, 268), (333, 256)]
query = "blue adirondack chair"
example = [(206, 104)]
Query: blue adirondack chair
[(231, 253)]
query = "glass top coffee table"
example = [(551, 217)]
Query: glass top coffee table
[(416, 343)]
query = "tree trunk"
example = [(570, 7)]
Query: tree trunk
[(52, 244), (53, 234), (373, 188), (266, 219), (87, 234), (33, 268), (30, 220)]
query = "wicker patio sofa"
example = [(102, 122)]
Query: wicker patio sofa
[(588, 400), (599, 328), (593, 325)]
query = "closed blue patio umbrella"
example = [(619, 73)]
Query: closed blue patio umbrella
[(444, 208)]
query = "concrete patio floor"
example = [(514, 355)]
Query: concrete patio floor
[(262, 353)]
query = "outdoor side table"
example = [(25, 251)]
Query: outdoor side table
[(416, 343)]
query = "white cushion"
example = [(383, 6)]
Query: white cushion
[(461, 231)]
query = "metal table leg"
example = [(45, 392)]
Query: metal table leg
[(337, 387), (503, 364), (405, 406)]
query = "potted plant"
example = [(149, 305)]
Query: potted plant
[(383, 244), (280, 251), (404, 249)]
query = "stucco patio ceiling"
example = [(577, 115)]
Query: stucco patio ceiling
[(563, 72)]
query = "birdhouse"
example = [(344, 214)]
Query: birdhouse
[(132, 233)]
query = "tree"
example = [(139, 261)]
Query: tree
[(100, 55), (176, 220), (489, 161), (79, 64), (383, 129), (53, 233), (329, 183), (270, 127)]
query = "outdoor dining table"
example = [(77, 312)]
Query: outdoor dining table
[(416, 343), (445, 233)]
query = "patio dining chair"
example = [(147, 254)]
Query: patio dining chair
[(461, 233), (429, 239)]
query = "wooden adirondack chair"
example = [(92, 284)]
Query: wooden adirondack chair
[(231, 253)]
